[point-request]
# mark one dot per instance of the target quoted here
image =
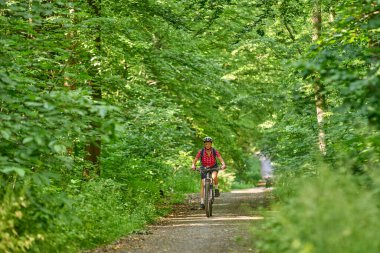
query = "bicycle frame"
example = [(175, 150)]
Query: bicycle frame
[(208, 189)]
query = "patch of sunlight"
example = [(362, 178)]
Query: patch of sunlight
[(221, 204), (193, 225), (229, 77), (218, 218), (267, 124), (212, 221), (252, 190)]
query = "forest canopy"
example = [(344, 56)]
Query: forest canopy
[(103, 105)]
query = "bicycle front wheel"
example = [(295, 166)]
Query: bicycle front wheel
[(208, 197), (211, 199)]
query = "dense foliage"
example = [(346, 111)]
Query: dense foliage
[(103, 104)]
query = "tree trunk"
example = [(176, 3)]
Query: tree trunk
[(331, 14), (318, 87), (93, 147)]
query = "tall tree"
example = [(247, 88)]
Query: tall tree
[(93, 147), (318, 86)]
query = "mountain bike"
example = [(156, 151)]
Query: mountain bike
[(208, 189)]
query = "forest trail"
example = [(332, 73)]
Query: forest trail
[(188, 229)]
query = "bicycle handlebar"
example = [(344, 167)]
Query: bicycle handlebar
[(208, 169)]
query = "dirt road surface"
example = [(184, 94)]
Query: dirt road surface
[(188, 230)]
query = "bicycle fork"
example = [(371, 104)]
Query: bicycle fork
[(211, 189)]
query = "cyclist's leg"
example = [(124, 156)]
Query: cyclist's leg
[(203, 176), (201, 192), (215, 177)]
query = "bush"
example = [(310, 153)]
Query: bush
[(330, 213)]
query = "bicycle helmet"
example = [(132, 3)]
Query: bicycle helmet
[(206, 139)]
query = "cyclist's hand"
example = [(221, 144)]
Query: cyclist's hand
[(193, 167), (223, 167)]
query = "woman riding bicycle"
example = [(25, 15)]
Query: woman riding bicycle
[(208, 157)]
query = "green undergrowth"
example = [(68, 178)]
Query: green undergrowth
[(241, 185), (86, 215), (332, 212), (250, 176)]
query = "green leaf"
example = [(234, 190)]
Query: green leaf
[(19, 171), (102, 111), (6, 133), (27, 140), (57, 147)]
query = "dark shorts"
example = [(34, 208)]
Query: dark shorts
[(204, 174)]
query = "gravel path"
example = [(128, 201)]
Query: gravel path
[(188, 229)]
